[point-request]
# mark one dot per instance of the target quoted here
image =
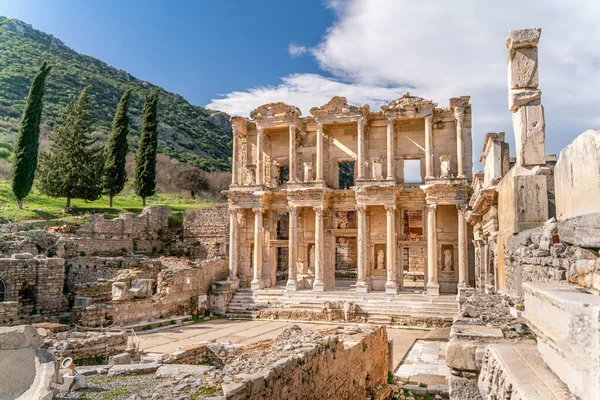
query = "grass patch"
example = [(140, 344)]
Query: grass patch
[(37, 207), (91, 361)]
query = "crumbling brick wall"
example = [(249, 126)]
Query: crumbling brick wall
[(9, 313), (208, 229)]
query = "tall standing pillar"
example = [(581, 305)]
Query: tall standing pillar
[(292, 283), (486, 264), (319, 152), (428, 147), (233, 245), (292, 168), (459, 114), (433, 287), (463, 272), (390, 150), (259, 155), (234, 157), (257, 282), (362, 285), (391, 286), (361, 149), (318, 285)]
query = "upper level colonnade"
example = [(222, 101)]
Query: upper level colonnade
[(341, 145)]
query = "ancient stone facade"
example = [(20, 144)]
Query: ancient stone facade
[(206, 231), (330, 195)]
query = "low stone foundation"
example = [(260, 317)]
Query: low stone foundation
[(86, 345)]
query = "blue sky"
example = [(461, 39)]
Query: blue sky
[(235, 55)]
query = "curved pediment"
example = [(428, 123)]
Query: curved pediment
[(275, 110), (407, 102), (338, 105)]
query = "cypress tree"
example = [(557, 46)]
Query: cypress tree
[(145, 161), (72, 165), (26, 147), (116, 151)]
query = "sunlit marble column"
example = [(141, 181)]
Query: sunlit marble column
[(233, 244), (361, 149), (433, 287), (292, 283), (318, 285), (463, 273), (319, 152), (391, 151), (234, 157), (459, 114), (391, 286), (259, 155), (362, 285), (428, 147), (257, 282), (292, 167)]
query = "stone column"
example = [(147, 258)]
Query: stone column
[(463, 272), (391, 286), (318, 285), (362, 285), (459, 114), (319, 152), (234, 158), (433, 287), (233, 245), (292, 165), (390, 150), (292, 283), (428, 147), (486, 264), (257, 282), (361, 149), (259, 155)]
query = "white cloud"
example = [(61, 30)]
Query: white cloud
[(296, 51), (376, 49)]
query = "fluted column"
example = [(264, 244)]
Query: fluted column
[(459, 113), (433, 287), (233, 244), (292, 168), (361, 149), (362, 285), (390, 150), (318, 285), (319, 152), (257, 282), (259, 155), (391, 286), (292, 283), (463, 273), (428, 147)]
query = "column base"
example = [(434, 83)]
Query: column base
[(462, 176), (362, 287), (257, 284), (433, 289), (291, 285), (430, 177), (391, 287), (318, 286), (234, 282)]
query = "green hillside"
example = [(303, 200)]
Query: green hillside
[(188, 133)]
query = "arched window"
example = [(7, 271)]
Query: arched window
[(2, 291)]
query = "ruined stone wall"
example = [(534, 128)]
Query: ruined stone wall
[(208, 230), (87, 270), (36, 283), (195, 355), (558, 251), (9, 312), (82, 246), (152, 222), (178, 288), (85, 345), (338, 370)]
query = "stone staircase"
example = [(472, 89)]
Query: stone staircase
[(374, 307)]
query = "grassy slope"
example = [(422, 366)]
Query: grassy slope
[(40, 207)]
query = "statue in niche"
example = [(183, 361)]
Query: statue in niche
[(444, 167), (448, 264), (380, 259), (308, 171), (311, 258)]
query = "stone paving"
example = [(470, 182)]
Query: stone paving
[(425, 358)]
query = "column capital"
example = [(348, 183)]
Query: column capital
[(258, 210), (390, 120), (459, 113), (428, 118), (390, 208), (319, 126), (234, 212), (318, 210), (432, 208), (462, 208), (361, 208), (292, 209)]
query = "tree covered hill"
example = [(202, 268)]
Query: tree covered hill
[(188, 133)]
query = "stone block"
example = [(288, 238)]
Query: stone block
[(18, 337), (465, 355), (523, 68), (566, 321), (522, 97), (120, 359), (577, 177), (583, 231), (463, 388), (529, 127), (141, 288), (120, 292), (82, 301), (475, 332), (521, 38)]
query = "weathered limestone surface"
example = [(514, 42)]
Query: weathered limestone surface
[(85, 345), (583, 231), (206, 231), (577, 177), (566, 321), (152, 222), (529, 127)]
